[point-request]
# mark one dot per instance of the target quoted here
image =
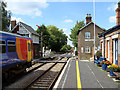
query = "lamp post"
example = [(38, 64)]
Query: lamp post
[(41, 54), (94, 24)]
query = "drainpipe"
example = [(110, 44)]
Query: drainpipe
[(0, 15)]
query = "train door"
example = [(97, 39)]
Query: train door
[(29, 50)]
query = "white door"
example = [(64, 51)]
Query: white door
[(115, 51), (108, 49)]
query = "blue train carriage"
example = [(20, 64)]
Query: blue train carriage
[(16, 54)]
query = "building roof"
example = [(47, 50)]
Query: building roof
[(8, 33), (88, 25), (29, 28), (115, 28)]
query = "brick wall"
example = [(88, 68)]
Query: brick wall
[(79, 48), (36, 49), (110, 50), (83, 43), (106, 49)]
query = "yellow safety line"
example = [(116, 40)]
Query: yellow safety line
[(78, 77)]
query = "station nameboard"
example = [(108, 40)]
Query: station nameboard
[(89, 39)]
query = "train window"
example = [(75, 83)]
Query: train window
[(2, 46), (11, 46), (11, 42)]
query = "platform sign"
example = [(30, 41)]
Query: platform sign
[(118, 46), (89, 39)]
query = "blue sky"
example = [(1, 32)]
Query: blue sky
[(62, 14)]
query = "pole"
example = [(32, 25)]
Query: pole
[(40, 40), (0, 15), (94, 23), (41, 43)]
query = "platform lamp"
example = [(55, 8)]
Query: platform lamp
[(41, 41)]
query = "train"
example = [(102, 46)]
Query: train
[(16, 54)]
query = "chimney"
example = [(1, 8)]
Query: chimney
[(88, 18), (118, 14), (13, 23)]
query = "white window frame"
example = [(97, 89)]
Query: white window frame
[(81, 49), (108, 43), (87, 34), (87, 49)]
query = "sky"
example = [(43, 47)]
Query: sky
[(63, 13)]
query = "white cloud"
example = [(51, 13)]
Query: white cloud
[(112, 19), (38, 12), (26, 7), (17, 19), (68, 21), (112, 7)]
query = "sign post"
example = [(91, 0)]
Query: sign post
[(41, 53)]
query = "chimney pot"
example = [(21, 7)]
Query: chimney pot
[(88, 18), (87, 15), (118, 14), (13, 23)]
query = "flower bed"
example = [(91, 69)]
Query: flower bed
[(113, 68), (105, 63)]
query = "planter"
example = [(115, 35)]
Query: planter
[(111, 73), (104, 66)]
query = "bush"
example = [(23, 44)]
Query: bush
[(65, 48), (98, 54)]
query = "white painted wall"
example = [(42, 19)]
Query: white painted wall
[(23, 30), (35, 38)]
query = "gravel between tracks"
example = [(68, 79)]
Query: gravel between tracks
[(28, 78)]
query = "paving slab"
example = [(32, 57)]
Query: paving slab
[(90, 76)]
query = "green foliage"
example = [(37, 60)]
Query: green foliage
[(6, 15), (65, 48), (45, 35), (74, 31), (98, 54), (52, 37), (57, 39)]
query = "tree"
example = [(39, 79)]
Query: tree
[(65, 48), (6, 15), (74, 31), (57, 39)]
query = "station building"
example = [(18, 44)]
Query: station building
[(110, 41), (86, 39)]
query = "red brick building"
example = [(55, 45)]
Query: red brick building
[(110, 41), (86, 39)]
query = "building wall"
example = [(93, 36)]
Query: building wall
[(36, 53), (111, 37), (35, 38), (119, 49), (83, 43)]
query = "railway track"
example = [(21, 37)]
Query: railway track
[(48, 78), (40, 75)]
